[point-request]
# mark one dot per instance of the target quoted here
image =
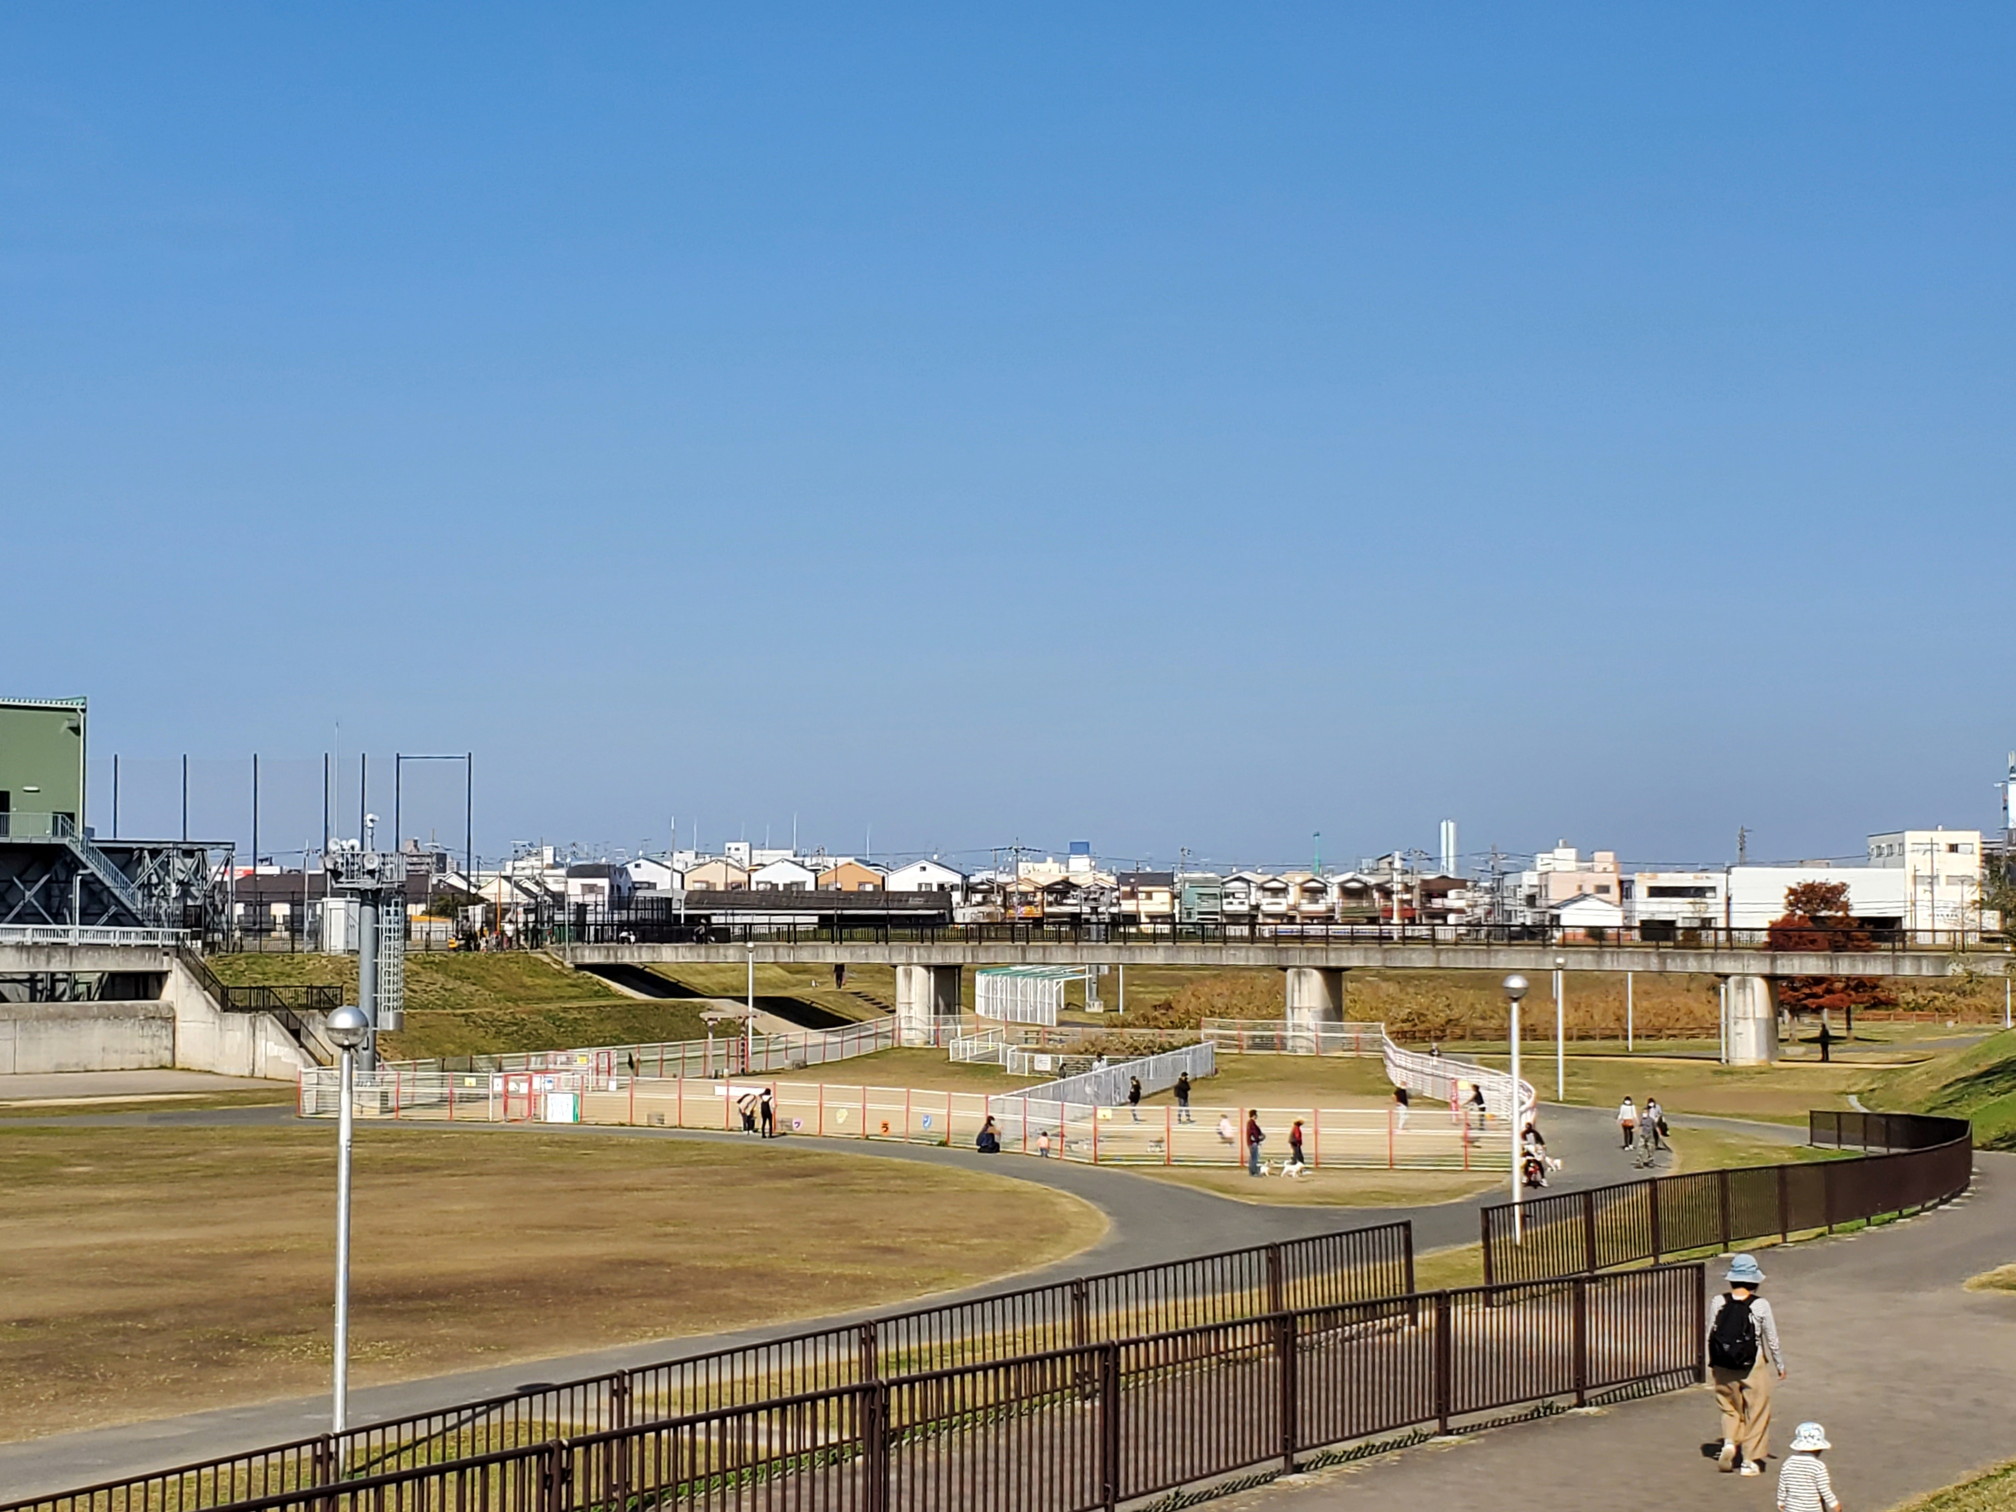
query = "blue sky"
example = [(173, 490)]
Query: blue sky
[(1167, 425)]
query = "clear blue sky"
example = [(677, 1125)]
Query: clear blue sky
[(1161, 424)]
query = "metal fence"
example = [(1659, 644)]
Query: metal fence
[(1107, 1086), (1002, 1333), (1295, 1037), (1088, 1426), (1923, 1161)]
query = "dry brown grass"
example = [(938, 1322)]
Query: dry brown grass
[(169, 1270)]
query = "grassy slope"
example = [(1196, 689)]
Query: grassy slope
[(1977, 1083), (1994, 1491), (486, 1004)]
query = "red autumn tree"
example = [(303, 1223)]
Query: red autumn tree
[(1816, 918)]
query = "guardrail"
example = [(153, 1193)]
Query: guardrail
[(988, 1334), (1088, 1426), (625, 929), (1925, 1161), (94, 934)]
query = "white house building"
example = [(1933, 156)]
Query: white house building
[(649, 874), (926, 876), (785, 874)]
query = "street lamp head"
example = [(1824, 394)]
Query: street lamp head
[(1560, 963), (1515, 987), (347, 1027)]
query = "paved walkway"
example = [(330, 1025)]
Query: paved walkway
[(1150, 1221), (1911, 1375), (89, 1086)]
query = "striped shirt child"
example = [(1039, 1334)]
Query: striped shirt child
[(1804, 1486)]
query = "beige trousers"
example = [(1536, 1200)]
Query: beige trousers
[(1745, 1399)]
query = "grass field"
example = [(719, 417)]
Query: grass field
[(1343, 1187), (1775, 1094), (1977, 1083), (169, 1270), (1991, 1491)]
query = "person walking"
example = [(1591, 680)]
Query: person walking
[(1296, 1162), (1477, 1103), (1043, 1143), (1226, 1134), (766, 1111), (1627, 1120), (1803, 1482), (1743, 1356), (1134, 1097), (1255, 1137), (1401, 1103), (1653, 1124), (1183, 1098)]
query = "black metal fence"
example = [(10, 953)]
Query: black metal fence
[(1210, 1291), (1923, 1161), (1091, 1427)]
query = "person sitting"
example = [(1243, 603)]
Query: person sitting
[(989, 1140)]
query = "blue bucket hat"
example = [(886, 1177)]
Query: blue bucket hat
[(1744, 1270)]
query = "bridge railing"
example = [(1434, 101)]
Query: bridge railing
[(864, 925), (1920, 1161)]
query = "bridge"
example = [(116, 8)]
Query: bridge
[(928, 962)]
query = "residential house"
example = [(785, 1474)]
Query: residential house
[(925, 876), (600, 884), (717, 874), (784, 874), (1587, 917), (1147, 897), (1561, 874), (848, 875), (1200, 898), (1661, 903), (649, 874)]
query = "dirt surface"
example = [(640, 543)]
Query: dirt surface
[(156, 1270)]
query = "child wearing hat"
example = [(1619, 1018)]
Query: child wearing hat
[(1803, 1483), (1743, 1354)]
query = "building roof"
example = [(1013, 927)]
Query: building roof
[(1147, 879)]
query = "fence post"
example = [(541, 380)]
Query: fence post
[(1445, 1361), (1081, 1326), (1490, 1269), (1274, 1280), (1722, 1188), (1658, 1239), (619, 1402), (1588, 1231), (1290, 1388), (1784, 1202), (875, 1447), (868, 1352), (1109, 1425), (1581, 1341), (1700, 1323)]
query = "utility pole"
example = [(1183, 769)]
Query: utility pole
[(1742, 845)]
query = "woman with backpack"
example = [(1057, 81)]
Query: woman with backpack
[(1743, 1356)]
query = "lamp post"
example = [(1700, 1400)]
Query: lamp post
[(749, 1022), (348, 1029), (1560, 1029), (1515, 989)]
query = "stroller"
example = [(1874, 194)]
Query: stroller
[(1533, 1170)]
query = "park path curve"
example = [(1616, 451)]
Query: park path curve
[(1911, 1374)]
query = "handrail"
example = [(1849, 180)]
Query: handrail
[(1919, 1161)]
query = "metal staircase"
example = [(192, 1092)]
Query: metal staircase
[(101, 866)]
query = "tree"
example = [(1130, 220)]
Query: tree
[(1816, 918)]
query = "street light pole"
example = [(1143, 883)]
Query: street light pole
[(347, 1028), (1515, 989), (1560, 1029), (749, 1022)]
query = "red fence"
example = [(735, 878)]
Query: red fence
[(1087, 1428), (1924, 1161)]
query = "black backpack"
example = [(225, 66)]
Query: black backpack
[(1732, 1342)]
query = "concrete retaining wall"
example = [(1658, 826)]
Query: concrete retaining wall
[(42, 1037), (231, 1044)]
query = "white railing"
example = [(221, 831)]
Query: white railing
[(85, 934), (988, 1047), (1295, 1037), (1447, 1079), (1107, 1086)]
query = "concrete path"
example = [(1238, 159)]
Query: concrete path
[(1911, 1375)]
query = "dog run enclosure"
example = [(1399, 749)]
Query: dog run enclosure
[(1231, 1287), (1911, 1161)]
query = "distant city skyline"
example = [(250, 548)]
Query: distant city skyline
[(1173, 426)]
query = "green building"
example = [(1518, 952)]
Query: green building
[(41, 764)]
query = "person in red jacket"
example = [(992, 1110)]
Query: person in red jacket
[(1255, 1137)]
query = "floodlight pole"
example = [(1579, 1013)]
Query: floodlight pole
[(749, 1021), (1560, 1029)]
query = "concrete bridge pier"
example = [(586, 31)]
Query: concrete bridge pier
[(925, 997), (1753, 1021), (1315, 996)]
